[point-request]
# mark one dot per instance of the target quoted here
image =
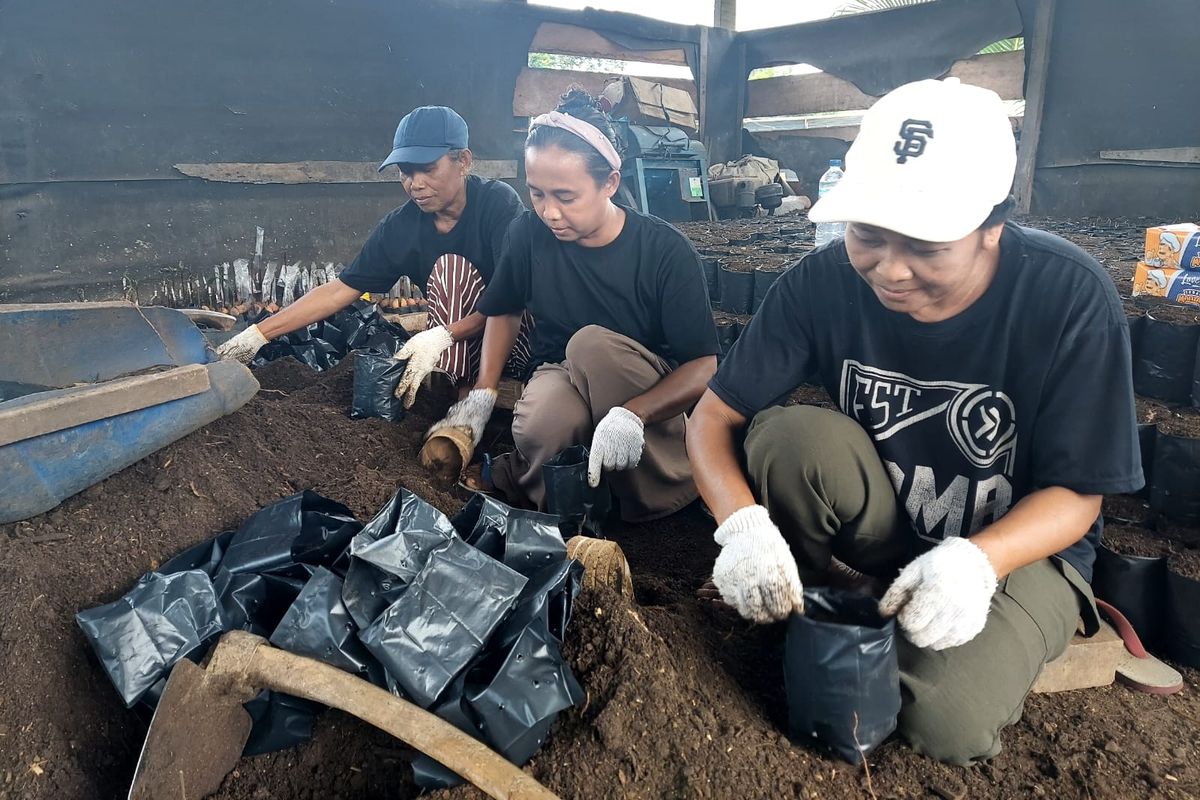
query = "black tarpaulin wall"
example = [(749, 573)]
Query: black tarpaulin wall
[(1122, 76), (99, 101)]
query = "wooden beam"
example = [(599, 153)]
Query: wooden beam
[(295, 172), (538, 90), (1035, 96), (571, 40), (1169, 155), (725, 14), (79, 406), (819, 92)]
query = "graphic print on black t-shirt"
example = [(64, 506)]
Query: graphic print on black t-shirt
[(980, 422)]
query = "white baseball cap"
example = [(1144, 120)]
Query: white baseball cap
[(931, 161)]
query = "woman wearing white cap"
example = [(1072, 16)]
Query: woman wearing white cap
[(623, 335), (446, 238), (982, 373)]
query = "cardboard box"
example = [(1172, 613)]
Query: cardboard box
[(1180, 285), (1173, 246), (649, 103)]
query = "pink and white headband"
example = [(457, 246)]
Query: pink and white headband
[(584, 130)]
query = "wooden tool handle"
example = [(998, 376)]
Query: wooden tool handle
[(271, 668)]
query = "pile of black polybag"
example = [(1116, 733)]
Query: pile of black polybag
[(463, 616), (323, 344)]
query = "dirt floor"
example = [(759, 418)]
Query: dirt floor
[(683, 700)]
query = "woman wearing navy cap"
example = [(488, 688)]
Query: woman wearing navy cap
[(446, 238)]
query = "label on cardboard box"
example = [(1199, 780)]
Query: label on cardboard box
[(1182, 286), (1173, 246)]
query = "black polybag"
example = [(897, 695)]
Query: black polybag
[(1165, 360), (524, 540), (569, 496), (736, 289), (368, 591), (401, 536), (764, 279), (318, 625), (520, 683), (322, 345), (443, 619), (1136, 586), (1176, 489), (377, 373), (315, 528), (279, 721), (1147, 437), (842, 678), (139, 637), (1182, 637)]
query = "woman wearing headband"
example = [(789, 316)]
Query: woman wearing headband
[(623, 341)]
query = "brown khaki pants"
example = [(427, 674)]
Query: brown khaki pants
[(561, 406), (819, 475)]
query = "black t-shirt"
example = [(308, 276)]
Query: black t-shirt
[(405, 242), (1029, 387), (647, 284)]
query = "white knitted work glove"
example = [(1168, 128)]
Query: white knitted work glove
[(243, 347), (422, 352), (756, 572), (617, 443), (942, 597), (471, 413)]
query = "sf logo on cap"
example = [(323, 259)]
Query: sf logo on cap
[(913, 135)]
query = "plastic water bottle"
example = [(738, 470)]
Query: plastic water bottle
[(828, 231)]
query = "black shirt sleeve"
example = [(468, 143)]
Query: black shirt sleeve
[(1085, 438), (774, 354), (687, 318), (508, 291), (389, 252)]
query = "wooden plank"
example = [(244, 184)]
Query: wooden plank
[(819, 92), (572, 40), (1170, 155), (1039, 65), (295, 172), (538, 90), (725, 14), (86, 404), (1086, 663)]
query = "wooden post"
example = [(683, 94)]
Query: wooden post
[(725, 14), (1035, 95)]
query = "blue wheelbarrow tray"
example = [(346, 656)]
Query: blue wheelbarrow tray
[(125, 381)]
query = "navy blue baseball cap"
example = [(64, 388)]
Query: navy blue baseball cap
[(425, 135)]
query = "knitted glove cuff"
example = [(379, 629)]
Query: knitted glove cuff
[(743, 520)]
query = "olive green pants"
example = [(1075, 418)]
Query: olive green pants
[(818, 473)]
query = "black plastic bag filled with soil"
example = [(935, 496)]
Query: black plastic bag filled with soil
[(1131, 574), (737, 290), (1182, 638), (764, 279), (842, 674), (377, 373), (728, 331), (399, 539), (139, 637), (1147, 437), (569, 496), (1176, 490), (1165, 360), (712, 266), (433, 631), (316, 528)]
